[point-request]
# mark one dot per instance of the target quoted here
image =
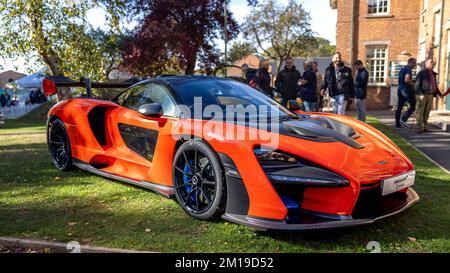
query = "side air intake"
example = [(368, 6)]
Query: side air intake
[(97, 122)]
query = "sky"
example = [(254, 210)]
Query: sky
[(323, 22), (323, 18)]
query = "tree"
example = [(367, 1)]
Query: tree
[(57, 32), (280, 28), (317, 47), (240, 49), (110, 46), (176, 35)]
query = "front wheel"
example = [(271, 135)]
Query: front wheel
[(59, 145), (198, 180)]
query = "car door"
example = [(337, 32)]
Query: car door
[(134, 136)]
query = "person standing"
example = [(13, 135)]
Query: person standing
[(319, 77), (2, 104), (361, 81), (308, 88), (406, 93), (286, 82), (248, 73), (263, 79), (3, 100), (8, 98), (339, 82), (426, 88)]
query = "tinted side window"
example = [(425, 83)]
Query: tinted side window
[(147, 93), (131, 97), (161, 95)]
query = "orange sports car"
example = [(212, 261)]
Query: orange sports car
[(222, 149)]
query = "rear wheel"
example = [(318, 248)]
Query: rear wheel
[(59, 145), (198, 180)]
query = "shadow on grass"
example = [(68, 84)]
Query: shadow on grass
[(5, 148)]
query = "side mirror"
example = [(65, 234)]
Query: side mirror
[(293, 105), (151, 110)]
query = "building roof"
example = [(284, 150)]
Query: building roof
[(252, 60), (7, 75), (11, 74)]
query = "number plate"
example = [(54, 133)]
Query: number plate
[(397, 183)]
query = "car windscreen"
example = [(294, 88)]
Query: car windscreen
[(226, 94)]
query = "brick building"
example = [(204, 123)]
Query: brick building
[(381, 33), (434, 42)]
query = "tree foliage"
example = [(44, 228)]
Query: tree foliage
[(240, 49), (176, 35), (110, 46), (317, 47), (57, 31), (252, 3), (278, 30)]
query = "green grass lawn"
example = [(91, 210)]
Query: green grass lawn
[(37, 201)]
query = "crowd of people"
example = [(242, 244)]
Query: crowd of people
[(345, 87), (292, 85), (423, 89), (6, 100), (10, 98), (35, 97)]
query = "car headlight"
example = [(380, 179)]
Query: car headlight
[(266, 154), (282, 168)]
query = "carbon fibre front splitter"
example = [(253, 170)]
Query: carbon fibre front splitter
[(266, 224)]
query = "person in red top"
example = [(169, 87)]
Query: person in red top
[(426, 89)]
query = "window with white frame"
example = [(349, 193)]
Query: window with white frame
[(376, 58), (424, 4), (422, 52), (437, 28), (378, 7)]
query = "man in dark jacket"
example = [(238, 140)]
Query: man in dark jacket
[(406, 93), (308, 88), (287, 81), (361, 81), (339, 82), (426, 88)]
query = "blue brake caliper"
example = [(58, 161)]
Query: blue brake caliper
[(186, 180)]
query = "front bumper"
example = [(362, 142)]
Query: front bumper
[(390, 206)]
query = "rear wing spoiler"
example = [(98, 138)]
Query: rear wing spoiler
[(51, 83)]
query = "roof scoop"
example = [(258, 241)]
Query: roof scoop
[(323, 129)]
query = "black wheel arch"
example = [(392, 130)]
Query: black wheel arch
[(50, 119), (237, 198)]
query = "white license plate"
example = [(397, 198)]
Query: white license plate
[(397, 183)]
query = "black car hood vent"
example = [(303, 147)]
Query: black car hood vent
[(323, 129)]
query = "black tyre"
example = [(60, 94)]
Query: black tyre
[(198, 180), (59, 145)]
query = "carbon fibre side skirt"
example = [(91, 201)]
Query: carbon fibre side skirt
[(165, 191)]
